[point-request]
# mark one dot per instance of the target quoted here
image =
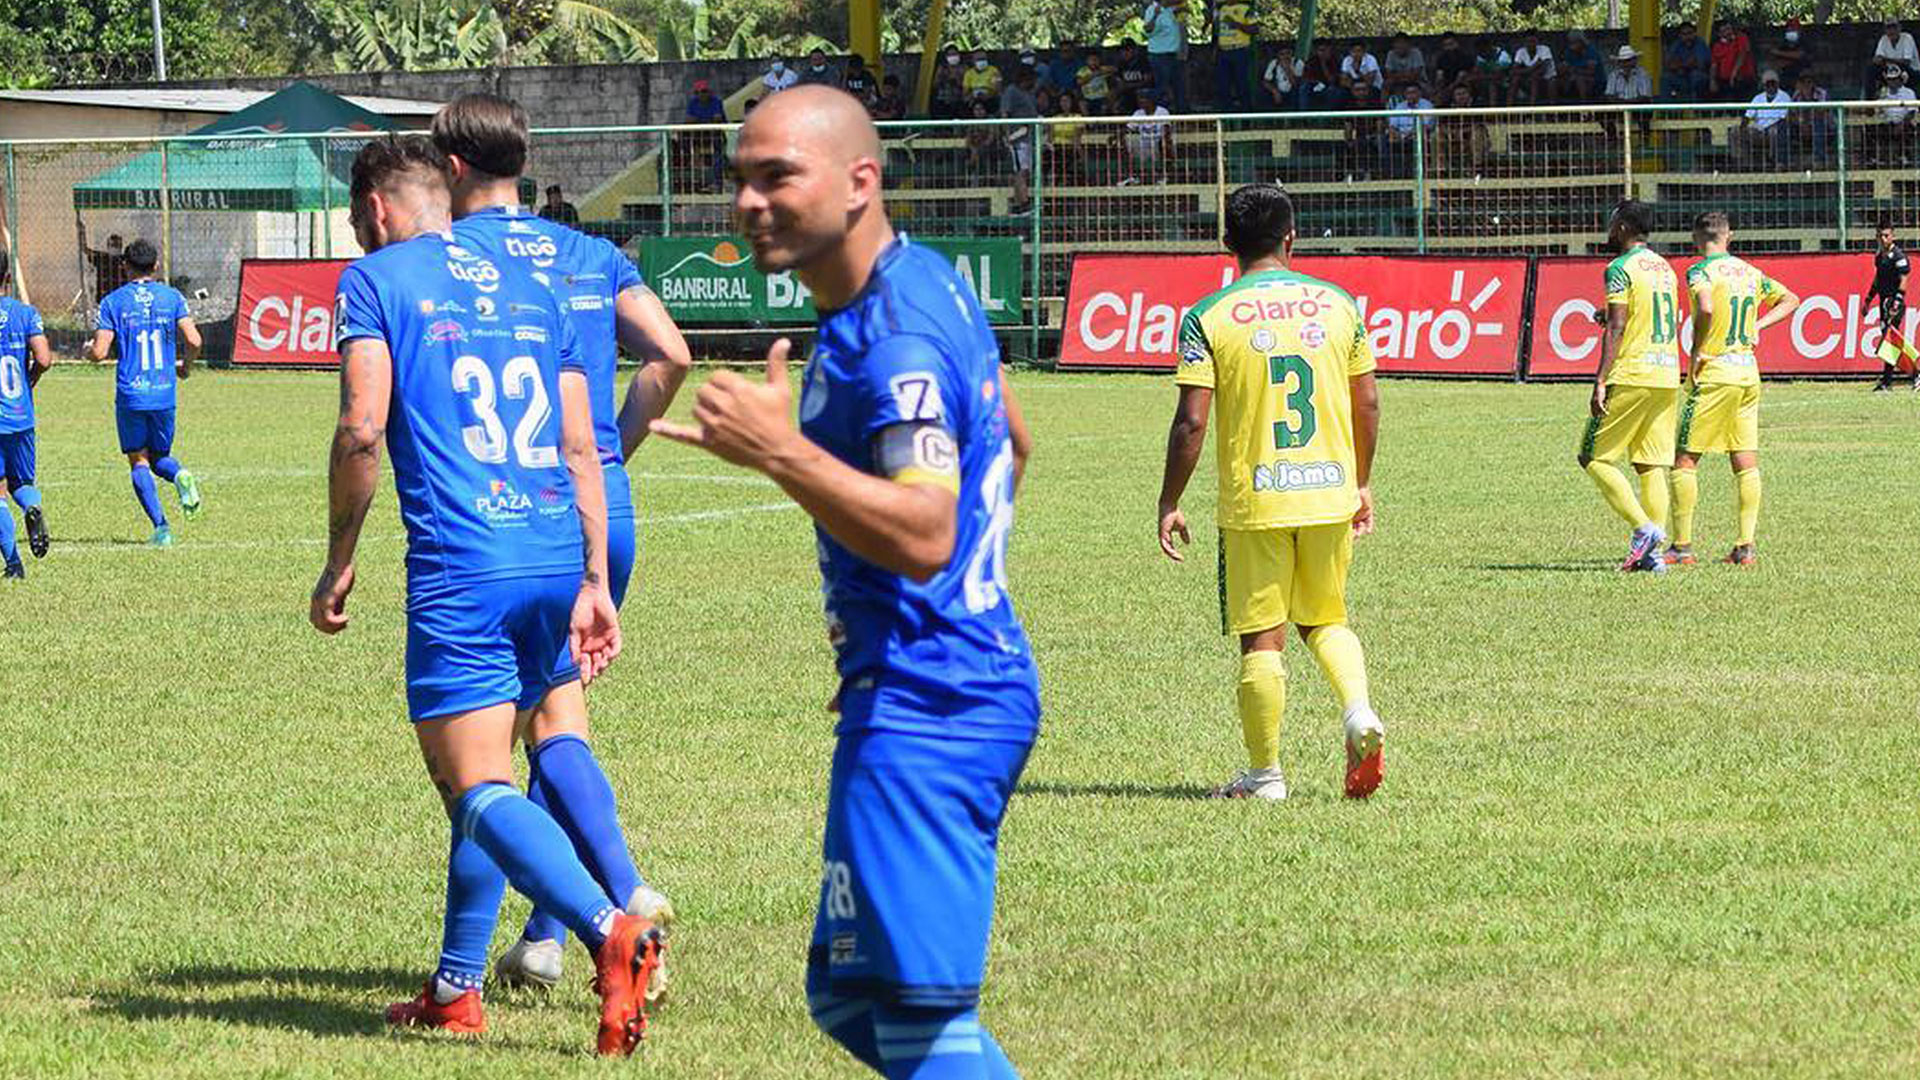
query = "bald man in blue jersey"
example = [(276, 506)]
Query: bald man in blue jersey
[(907, 456)]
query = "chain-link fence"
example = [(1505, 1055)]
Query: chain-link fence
[(1794, 177)]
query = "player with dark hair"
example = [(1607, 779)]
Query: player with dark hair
[(1890, 267), (24, 357), (907, 457), (146, 322), (443, 354), (1733, 301), (1636, 392), (1283, 360), (609, 306)]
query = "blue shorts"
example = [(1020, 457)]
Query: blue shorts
[(145, 429), (471, 646), (906, 894), (17, 458), (620, 538)]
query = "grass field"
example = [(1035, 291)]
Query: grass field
[(1632, 826)]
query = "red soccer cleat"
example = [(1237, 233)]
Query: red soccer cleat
[(461, 1016), (1678, 556), (1365, 756), (624, 966), (1742, 556)]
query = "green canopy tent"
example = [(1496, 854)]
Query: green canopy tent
[(247, 172), (209, 203)]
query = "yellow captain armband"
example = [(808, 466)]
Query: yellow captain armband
[(919, 452)]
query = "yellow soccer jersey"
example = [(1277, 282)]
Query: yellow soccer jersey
[(1650, 347), (1277, 348), (1740, 292)]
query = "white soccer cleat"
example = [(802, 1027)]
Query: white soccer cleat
[(657, 909), (1366, 736), (534, 964), (1269, 784)]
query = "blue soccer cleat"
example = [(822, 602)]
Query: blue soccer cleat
[(162, 537), (1643, 552)]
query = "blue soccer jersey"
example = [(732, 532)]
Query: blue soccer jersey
[(145, 319), (474, 424), (18, 323), (948, 657), (585, 274)]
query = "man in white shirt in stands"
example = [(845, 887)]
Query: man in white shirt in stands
[(1149, 139), (1895, 46), (1893, 135), (1396, 142), (1628, 84), (778, 77), (1764, 131), (1533, 72), (1281, 80), (1360, 66)]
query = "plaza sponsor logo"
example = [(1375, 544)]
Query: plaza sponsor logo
[(503, 504), (1298, 476)]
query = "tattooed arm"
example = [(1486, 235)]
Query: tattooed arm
[(353, 469)]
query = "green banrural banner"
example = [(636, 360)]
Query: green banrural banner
[(712, 279)]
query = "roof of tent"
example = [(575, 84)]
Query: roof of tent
[(249, 173)]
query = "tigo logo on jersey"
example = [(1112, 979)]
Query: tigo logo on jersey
[(540, 249), (1287, 476)]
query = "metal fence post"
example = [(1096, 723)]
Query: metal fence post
[(166, 218), (1034, 238), (666, 184), (13, 217), (326, 197), (1626, 151), (1420, 184), (1219, 182), (1840, 164)]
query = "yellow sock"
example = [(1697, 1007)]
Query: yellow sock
[(1619, 495), (1653, 495), (1686, 496), (1337, 651), (1263, 695), (1748, 481)]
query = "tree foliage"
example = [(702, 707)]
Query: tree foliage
[(76, 41)]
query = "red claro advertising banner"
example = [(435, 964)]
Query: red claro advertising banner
[(1833, 332), (1430, 315), (285, 314)]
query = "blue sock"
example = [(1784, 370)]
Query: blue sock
[(533, 851), (932, 1044), (474, 887), (540, 925), (7, 549), (148, 495), (846, 1020), (28, 497), (578, 795), (167, 468)]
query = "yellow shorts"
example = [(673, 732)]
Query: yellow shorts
[(1274, 576), (1721, 418), (1639, 426)]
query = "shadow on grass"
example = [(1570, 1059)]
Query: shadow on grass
[(321, 1001), (1567, 566), (1116, 791)]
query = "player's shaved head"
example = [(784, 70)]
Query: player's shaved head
[(807, 168), (1712, 225), (398, 190)]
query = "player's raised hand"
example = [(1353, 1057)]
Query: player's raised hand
[(1363, 519), (327, 608), (738, 420), (594, 633), (1173, 523)]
